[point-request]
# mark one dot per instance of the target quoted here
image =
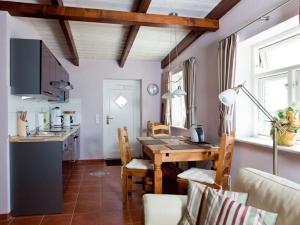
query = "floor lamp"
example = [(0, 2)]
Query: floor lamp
[(228, 98)]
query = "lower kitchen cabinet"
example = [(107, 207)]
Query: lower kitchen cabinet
[(39, 174)]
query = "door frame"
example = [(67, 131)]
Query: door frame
[(140, 83)]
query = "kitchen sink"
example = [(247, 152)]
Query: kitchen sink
[(50, 134)]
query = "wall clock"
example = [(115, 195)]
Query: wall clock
[(153, 89)]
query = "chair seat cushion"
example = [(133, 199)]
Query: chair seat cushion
[(140, 164), (200, 175)]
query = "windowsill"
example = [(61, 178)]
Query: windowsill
[(268, 144), (180, 128)]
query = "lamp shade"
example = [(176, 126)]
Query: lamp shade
[(228, 97), (179, 92), (167, 95)]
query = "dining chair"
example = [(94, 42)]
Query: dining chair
[(218, 178), (133, 167), (149, 126), (160, 130)]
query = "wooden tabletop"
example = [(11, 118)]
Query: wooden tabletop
[(180, 140)]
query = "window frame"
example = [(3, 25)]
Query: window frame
[(291, 73), (173, 72)]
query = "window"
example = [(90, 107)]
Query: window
[(178, 107), (270, 57), (277, 76)]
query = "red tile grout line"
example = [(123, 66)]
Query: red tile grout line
[(77, 197)]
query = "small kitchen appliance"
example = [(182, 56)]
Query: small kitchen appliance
[(43, 120), (67, 118), (73, 118), (197, 134), (56, 117)]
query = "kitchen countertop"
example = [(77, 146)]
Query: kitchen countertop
[(68, 132)]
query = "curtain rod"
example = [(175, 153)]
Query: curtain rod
[(178, 65), (259, 18)]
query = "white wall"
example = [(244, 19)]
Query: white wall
[(250, 155), (4, 84), (205, 50), (88, 79), (33, 107), (88, 92)]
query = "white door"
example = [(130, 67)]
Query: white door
[(121, 107)]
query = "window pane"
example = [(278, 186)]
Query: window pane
[(274, 93), (282, 54), (297, 86), (297, 93), (178, 112)]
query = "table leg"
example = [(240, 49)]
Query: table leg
[(157, 174), (143, 152)]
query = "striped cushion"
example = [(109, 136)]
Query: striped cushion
[(223, 210), (213, 207), (195, 200)]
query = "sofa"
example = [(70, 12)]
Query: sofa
[(265, 191)]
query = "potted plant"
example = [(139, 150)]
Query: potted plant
[(289, 120)]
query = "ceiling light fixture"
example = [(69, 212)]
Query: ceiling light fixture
[(178, 92)]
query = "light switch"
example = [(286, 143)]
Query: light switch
[(97, 118)]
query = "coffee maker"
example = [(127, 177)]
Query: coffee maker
[(56, 117)]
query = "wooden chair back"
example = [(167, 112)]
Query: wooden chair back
[(160, 130), (125, 148), (223, 165), (149, 126)]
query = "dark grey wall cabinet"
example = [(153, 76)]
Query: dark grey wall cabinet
[(36, 178), (33, 67)]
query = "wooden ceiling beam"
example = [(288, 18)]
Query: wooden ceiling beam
[(217, 13), (106, 16), (133, 31), (65, 26)]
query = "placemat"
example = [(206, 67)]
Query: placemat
[(187, 147), (153, 142), (196, 143), (165, 137)]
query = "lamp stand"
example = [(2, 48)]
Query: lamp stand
[(275, 149), (276, 126)]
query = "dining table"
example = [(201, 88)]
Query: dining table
[(162, 149)]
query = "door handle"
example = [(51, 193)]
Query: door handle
[(108, 119)]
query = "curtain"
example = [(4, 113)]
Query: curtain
[(226, 73), (189, 78), (165, 103)]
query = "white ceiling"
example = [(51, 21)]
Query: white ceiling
[(106, 41)]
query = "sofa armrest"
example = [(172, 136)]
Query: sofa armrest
[(163, 209)]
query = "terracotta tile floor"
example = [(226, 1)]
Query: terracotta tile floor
[(91, 200)]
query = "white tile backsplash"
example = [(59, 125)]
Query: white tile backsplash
[(33, 107)]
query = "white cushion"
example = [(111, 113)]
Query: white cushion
[(163, 209), (200, 175), (140, 164)]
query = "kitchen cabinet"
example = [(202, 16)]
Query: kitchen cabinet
[(33, 67), (36, 178), (69, 157), (40, 172)]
